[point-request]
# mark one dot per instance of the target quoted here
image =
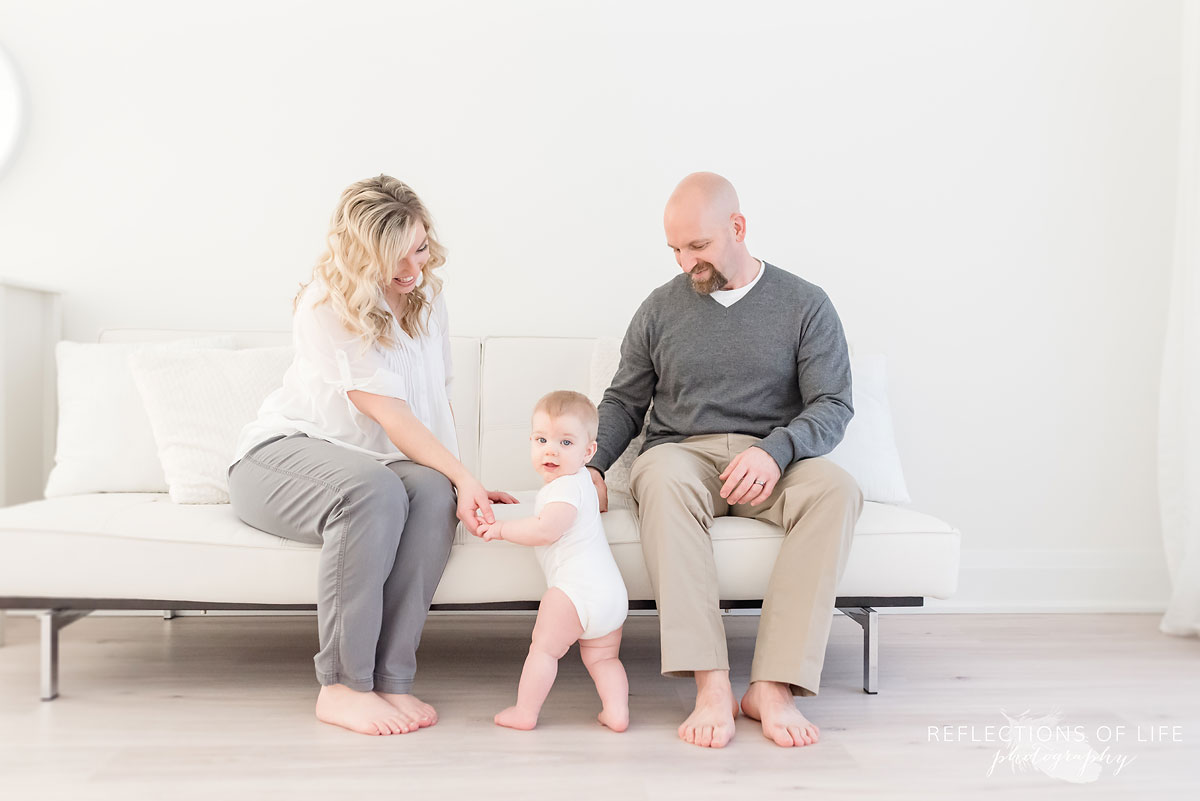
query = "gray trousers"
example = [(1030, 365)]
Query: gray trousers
[(385, 533)]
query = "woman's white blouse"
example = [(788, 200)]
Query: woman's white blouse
[(330, 361)]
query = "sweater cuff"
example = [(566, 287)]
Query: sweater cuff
[(778, 444), (600, 463)]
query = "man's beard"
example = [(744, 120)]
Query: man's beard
[(715, 280)]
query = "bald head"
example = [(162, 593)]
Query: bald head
[(702, 197), (707, 231)]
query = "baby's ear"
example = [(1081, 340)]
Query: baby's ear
[(591, 451)]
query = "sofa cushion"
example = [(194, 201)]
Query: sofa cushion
[(516, 372), (141, 545)]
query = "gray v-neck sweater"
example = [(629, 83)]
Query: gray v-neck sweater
[(773, 365)]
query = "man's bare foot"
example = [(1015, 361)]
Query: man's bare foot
[(615, 719), (412, 708), (711, 723), (771, 703), (516, 718), (363, 712)]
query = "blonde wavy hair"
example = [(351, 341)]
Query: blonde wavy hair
[(372, 228)]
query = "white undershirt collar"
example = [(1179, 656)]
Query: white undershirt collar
[(728, 297)]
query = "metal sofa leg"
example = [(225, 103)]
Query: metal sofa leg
[(53, 620), (168, 614), (868, 618)]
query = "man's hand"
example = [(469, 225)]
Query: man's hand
[(501, 497), (750, 477), (601, 488)]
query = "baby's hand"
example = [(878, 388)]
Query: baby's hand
[(489, 531)]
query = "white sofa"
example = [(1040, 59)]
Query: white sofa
[(71, 555)]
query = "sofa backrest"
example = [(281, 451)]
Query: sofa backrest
[(498, 379)]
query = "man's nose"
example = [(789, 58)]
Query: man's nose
[(688, 263)]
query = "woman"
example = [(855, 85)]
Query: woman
[(357, 452)]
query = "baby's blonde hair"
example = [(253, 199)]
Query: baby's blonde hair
[(565, 401), (372, 228)]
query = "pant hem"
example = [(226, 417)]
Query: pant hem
[(387, 684), (683, 673), (799, 687), (361, 685)]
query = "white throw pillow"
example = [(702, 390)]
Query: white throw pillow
[(867, 451), (104, 441), (198, 402)]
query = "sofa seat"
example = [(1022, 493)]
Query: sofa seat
[(141, 545)]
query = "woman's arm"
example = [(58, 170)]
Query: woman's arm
[(419, 444), (544, 529)]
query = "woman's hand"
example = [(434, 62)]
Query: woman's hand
[(473, 499), (501, 497)]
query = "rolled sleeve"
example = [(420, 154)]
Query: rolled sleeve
[(380, 381), (343, 359)]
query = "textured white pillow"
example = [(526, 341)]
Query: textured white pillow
[(867, 451), (104, 441), (198, 401)]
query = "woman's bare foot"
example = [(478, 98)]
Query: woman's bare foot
[(615, 719), (711, 723), (771, 703), (516, 718), (363, 712), (411, 708)]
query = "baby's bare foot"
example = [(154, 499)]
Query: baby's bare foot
[(412, 708), (516, 718), (771, 703), (615, 719), (363, 712)]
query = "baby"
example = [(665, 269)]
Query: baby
[(586, 600)]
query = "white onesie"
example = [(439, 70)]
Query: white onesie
[(580, 562)]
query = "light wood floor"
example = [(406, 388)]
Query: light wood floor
[(221, 708)]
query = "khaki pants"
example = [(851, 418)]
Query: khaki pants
[(816, 503)]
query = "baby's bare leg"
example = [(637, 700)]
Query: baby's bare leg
[(600, 659), (557, 627)]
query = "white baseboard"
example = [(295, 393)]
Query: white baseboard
[(1093, 580)]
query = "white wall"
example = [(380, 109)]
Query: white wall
[(986, 190)]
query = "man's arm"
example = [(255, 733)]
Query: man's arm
[(823, 364), (623, 408)]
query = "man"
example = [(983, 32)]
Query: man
[(749, 372)]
